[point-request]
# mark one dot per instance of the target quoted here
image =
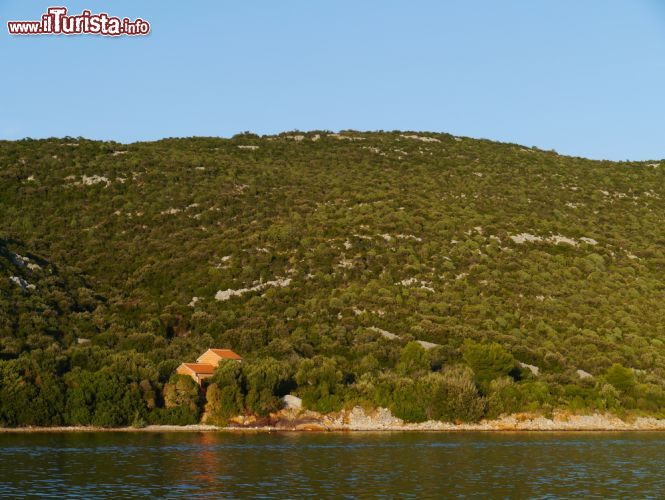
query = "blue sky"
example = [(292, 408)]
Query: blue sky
[(585, 78)]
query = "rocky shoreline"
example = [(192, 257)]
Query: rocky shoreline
[(358, 419), (381, 419)]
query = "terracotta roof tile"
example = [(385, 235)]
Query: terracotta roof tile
[(226, 354), (202, 368)]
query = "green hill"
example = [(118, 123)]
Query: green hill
[(319, 257)]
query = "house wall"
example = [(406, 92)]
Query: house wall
[(183, 370), (210, 358), (197, 377)]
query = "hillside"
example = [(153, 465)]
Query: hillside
[(319, 257), (40, 303)]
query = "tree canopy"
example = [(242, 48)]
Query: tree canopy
[(439, 276)]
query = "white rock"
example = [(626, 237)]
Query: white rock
[(22, 283), (94, 179), (291, 402), (374, 150), (532, 368), (408, 237), (346, 137), (557, 238), (524, 237), (421, 138), (554, 239), (408, 282), (384, 333), (345, 264), (170, 211), (427, 345), (223, 295)]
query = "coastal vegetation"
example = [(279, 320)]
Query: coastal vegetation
[(440, 277)]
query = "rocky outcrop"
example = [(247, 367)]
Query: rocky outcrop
[(291, 402), (381, 419)]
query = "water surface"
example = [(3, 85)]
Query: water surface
[(539, 465)]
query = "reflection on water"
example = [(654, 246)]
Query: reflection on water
[(351, 464)]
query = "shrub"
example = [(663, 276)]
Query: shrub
[(266, 381), (413, 360), (620, 377), (318, 382), (504, 397), (452, 395), (183, 395), (226, 392), (488, 361)]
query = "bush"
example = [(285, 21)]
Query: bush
[(267, 380), (504, 397), (488, 361), (449, 395), (620, 377), (318, 382), (405, 400), (226, 392), (413, 360), (183, 396)]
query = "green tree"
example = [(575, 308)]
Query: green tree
[(488, 361), (318, 382), (413, 360), (267, 380), (183, 397), (620, 377), (226, 392), (452, 395)]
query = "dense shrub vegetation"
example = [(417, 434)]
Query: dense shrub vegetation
[(440, 277)]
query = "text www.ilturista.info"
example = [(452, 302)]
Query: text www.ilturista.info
[(56, 22)]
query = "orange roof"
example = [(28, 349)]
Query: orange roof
[(226, 353), (202, 368)]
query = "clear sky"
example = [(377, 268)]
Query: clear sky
[(585, 78)]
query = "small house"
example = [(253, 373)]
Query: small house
[(206, 364)]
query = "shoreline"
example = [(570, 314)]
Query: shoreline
[(188, 429), (381, 420)]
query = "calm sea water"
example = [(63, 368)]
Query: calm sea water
[(333, 465)]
